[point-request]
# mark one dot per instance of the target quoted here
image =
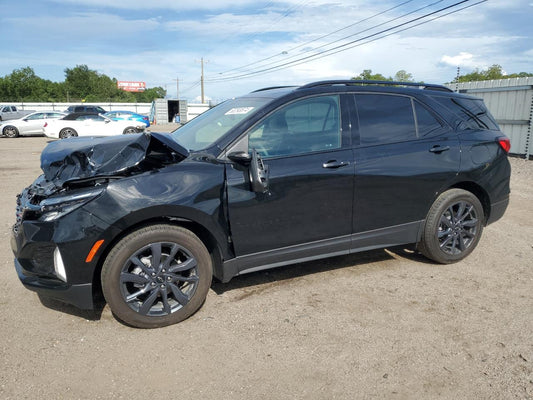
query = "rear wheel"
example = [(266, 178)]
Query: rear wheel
[(157, 276), (66, 133), (453, 226), (129, 129), (10, 132)]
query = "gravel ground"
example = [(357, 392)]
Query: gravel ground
[(379, 324)]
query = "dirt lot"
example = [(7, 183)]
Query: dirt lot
[(380, 325)]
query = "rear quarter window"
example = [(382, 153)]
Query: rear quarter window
[(473, 113)]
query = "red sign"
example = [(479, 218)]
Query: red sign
[(130, 86)]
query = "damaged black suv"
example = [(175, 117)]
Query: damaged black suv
[(279, 176)]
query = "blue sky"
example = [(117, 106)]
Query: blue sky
[(249, 44)]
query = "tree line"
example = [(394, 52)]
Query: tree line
[(81, 85), (495, 71)]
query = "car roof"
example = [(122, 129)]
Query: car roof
[(75, 115)]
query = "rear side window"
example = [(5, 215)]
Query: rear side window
[(385, 118), (426, 121), (472, 112)]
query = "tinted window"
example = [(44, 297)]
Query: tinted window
[(426, 122), (304, 126), (385, 118), (472, 112)]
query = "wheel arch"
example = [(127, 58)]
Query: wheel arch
[(204, 234), (479, 192)]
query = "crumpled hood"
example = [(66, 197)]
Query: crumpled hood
[(80, 158)]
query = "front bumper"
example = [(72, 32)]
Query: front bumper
[(80, 295), (34, 244)]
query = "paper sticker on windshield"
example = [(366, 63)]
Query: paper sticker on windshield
[(239, 110)]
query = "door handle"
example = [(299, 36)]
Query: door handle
[(439, 149), (335, 164)]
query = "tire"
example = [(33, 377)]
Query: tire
[(129, 129), (144, 295), (10, 131), (66, 133), (453, 227)]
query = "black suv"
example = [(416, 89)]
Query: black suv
[(279, 176)]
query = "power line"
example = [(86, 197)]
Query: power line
[(316, 39), (297, 61), (352, 44), (352, 35)]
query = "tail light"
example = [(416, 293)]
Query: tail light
[(504, 143), (45, 124)]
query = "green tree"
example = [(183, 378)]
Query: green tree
[(150, 95), (400, 76), (367, 75), (495, 71), (403, 76), (81, 84)]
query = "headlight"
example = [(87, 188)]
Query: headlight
[(55, 207)]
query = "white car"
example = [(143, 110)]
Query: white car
[(31, 124), (89, 124)]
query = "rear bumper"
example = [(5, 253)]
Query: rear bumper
[(497, 210), (80, 295)]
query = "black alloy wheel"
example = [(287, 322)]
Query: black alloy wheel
[(157, 276), (453, 226)]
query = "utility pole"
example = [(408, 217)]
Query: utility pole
[(177, 87), (202, 79)]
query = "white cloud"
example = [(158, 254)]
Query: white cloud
[(463, 59)]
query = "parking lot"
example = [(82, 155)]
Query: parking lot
[(383, 324)]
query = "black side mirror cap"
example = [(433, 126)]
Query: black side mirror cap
[(240, 157)]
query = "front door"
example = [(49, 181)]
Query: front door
[(310, 191)]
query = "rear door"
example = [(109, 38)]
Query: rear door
[(305, 145), (405, 155)]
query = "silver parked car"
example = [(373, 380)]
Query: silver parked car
[(31, 124)]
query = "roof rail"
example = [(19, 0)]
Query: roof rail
[(353, 82), (271, 88)]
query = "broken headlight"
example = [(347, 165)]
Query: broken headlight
[(53, 208)]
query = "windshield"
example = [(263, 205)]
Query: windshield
[(204, 130)]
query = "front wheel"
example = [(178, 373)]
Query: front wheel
[(453, 226), (157, 276), (10, 132)]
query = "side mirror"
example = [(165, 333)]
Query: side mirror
[(240, 157), (258, 174)]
